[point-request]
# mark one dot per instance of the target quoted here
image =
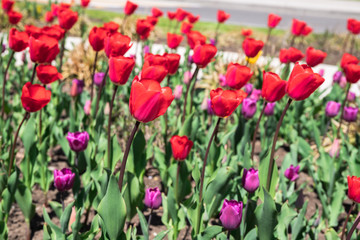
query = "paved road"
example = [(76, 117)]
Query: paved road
[(320, 14)]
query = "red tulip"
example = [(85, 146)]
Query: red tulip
[(152, 20), (353, 26), (297, 27), (116, 45), (152, 60), (302, 82), (85, 3), (290, 55), (67, 19), (273, 88), (120, 69), (237, 75), (148, 100), (97, 37), (224, 102), (222, 16), (34, 97), (314, 56), (54, 31), (203, 54), (174, 40), (352, 73), (154, 72), (43, 49), (273, 20), (18, 41), (246, 32), (171, 15), (7, 5), (348, 59), (156, 12), (180, 14), (252, 47), (181, 147), (130, 7), (143, 28), (14, 17), (354, 188), (111, 27), (47, 74), (306, 31), (49, 17), (33, 30), (55, 9), (195, 38), (192, 19), (173, 61), (186, 27)]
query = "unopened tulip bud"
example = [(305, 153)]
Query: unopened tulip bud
[(76, 87), (222, 80), (292, 173), (231, 214), (248, 88), (78, 141), (248, 108), (153, 198), (87, 107), (146, 49), (213, 41), (64, 179), (321, 72), (342, 82), (250, 180), (337, 76), (332, 108), (335, 148), (255, 94), (350, 114), (269, 109), (187, 77), (99, 78), (190, 59), (351, 97), (178, 91)]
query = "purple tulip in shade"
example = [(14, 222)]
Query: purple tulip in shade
[(209, 108), (152, 198), (335, 148), (64, 179), (351, 97), (3, 48), (248, 108), (248, 88), (99, 78), (77, 87), (222, 80), (337, 76), (231, 214), (255, 94), (342, 82), (332, 108), (350, 114), (178, 92), (87, 107), (78, 141), (190, 59), (269, 109), (292, 173), (250, 180)]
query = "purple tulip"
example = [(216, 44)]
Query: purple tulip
[(77, 87), (337, 76), (350, 114), (99, 78), (146, 49), (190, 59), (231, 214), (332, 108), (248, 108), (321, 72), (255, 94), (269, 109), (209, 108), (222, 80), (250, 180), (187, 77), (78, 141), (335, 148), (212, 41), (87, 107), (342, 82), (3, 48), (178, 91), (248, 88), (351, 97), (152, 198), (64, 179), (292, 173)]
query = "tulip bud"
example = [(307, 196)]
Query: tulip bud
[(248, 88), (255, 94), (181, 147), (269, 109), (351, 97), (222, 16), (321, 72), (250, 180), (231, 214), (76, 87), (146, 49), (152, 198), (350, 114), (99, 78), (342, 82), (213, 41), (337, 76), (78, 141), (187, 77), (292, 173), (248, 108), (64, 179), (190, 59), (354, 186), (178, 92), (222, 80), (87, 107), (332, 108), (335, 148)]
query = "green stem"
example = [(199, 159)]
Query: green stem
[(356, 223), (4, 82), (100, 91), (346, 221), (109, 128), (177, 182), (256, 129), (187, 92), (62, 52), (342, 109)]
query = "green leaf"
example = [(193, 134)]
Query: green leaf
[(284, 219), (112, 210), (65, 217), (331, 234), (266, 217), (143, 224), (263, 173), (24, 199), (54, 228), (28, 135), (161, 235), (210, 232), (298, 223), (186, 128), (57, 207), (133, 195)]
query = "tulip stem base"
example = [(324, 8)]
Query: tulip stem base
[(342, 109), (271, 160), (99, 92), (149, 220), (12, 153), (197, 229), (187, 92), (356, 223), (177, 182), (4, 83), (109, 159), (346, 221), (126, 154), (92, 77), (256, 129), (62, 201)]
